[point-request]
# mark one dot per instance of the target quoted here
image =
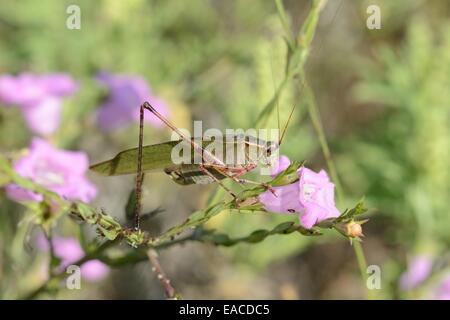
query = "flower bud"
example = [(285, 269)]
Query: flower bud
[(354, 229)]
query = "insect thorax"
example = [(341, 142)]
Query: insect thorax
[(238, 150)]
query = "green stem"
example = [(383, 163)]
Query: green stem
[(360, 258), (133, 257), (362, 263), (318, 127), (314, 114), (59, 276)]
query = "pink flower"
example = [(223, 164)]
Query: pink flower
[(94, 270), (285, 201), (39, 97), (126, 94), (281, 165), (69, 251), (443, 290), (58, 170), (312, 196), (419, 268), (317, 197)]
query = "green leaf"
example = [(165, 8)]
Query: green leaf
[(309, 232), (284, 22), (297, 54), (196, 219), (87, 213), (251, 193), (350, 214), (282, 227), (308, 29), (256, 236), (288, 176), (107, 226), (131, 205)]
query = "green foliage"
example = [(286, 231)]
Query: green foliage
[(296, 56), (412, 144), (257, 235), (235, 67)]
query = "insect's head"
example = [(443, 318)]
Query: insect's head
[(270, 148)]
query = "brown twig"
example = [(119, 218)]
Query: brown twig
[(160, 274)]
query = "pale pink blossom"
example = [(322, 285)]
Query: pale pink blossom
[(419, 268), (126, 94), (443, 290), (39, 97), (69, 251), (60, 171), (312, 196)]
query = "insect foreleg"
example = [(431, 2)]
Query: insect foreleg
[(263, 184), (223, 170)]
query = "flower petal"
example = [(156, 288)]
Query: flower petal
[(43, 117), (126, 94), (94, 270), (285, 199), (58, 170), (281, 165), (419, 268)]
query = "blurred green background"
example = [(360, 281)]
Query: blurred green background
[(384, 100)]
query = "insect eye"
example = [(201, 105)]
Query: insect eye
[(271, 146)]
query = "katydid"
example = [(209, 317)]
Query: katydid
[(211, 168)]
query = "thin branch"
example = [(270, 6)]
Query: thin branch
[(314, 114), (49, 238), (59, 276), (317, 123), (160, 274)]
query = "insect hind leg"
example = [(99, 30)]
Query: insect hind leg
[(139, 173), (207, 172)]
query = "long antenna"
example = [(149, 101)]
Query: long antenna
[(206, 155), (287, 123), (275, 91)]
